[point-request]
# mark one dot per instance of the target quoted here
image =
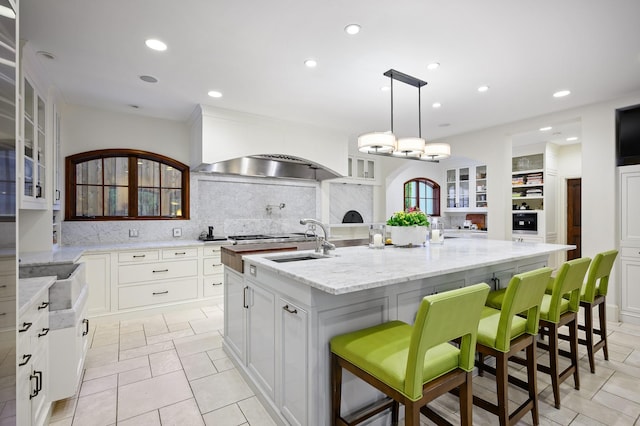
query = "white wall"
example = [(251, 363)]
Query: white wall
[(569, 167)]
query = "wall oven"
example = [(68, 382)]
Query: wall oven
[(525, 223)]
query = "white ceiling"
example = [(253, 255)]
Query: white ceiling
[(253, 52)]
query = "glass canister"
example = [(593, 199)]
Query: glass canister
[(437, 233), (377, 236)]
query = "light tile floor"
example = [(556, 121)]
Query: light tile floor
[(170, 369)]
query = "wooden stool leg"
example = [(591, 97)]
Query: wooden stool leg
[(532, 379), (588, 330), (412, 414), (480, 364), (395, 413), (553, 363), (502, 382), (336, 389), (602, 313), (573, 345), (466, 401)]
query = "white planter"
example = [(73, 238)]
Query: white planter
[(409, 236)]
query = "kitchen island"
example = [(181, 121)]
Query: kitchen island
[(280, 315)]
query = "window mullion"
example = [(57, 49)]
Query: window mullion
[(133, 186)]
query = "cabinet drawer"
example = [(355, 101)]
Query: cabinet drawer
[(8, 314), (137, 256), (157, 271), (212, 286), (151, 294), (630, 252), (211, 251), (212, 265), (179, 253), (7, 285)]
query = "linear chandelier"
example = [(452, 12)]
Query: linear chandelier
[(414, 148)]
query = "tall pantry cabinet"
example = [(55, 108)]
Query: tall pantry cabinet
[(629, 258)]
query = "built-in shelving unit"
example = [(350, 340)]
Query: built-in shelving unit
[(527, 182)]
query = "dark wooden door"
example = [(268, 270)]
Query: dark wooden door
[(574, 230)]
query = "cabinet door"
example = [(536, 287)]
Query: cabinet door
[(630, 271), (294, 370), (98, 270), (630, 204), (261, 357), (235, 313)]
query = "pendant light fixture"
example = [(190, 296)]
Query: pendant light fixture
[(416, 148)]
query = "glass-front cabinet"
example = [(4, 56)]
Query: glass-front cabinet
[(34, 148), (466, 189)]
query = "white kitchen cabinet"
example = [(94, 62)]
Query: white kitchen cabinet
[(294, 371), (261, 355), (32, 401), (98, 270), (629, 257), (56, 160), (212, 271), (32, 151), (466, 189), (362, 169), (235, 303)]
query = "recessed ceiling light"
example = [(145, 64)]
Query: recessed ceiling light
[(483, 88), (572, 138), (148, 79), (352, 29), (436, 105), (214, 94), (433, 66), (545, 129), (561, 93), (156, 45), (311, 63), (46, 54), (385, 88)]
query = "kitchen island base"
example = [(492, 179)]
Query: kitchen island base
[(278, 324)]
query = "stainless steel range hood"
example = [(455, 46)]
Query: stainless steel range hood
[(270, 165), (238, 143)]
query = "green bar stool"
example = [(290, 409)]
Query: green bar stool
[(557, 311), (502, 334), (413, 365), (594, 293)]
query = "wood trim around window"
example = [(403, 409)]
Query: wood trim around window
[(70, 182), (436, 193)]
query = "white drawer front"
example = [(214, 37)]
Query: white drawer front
[(630, 252), (152, 294), (212, 285), (179, 253), (138, 256), (212, 265), (157, 271), (211, 251)]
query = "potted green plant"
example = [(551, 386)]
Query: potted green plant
[(409, 228)]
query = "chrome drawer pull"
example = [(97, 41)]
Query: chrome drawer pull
[(25, 360), (286, 308), (161, 270), (135, 256), (26, 326), (160, 292), (43, 305), (45, 331)]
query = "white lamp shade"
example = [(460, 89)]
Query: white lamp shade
[(409, 147), (377, 142), (436, 151)]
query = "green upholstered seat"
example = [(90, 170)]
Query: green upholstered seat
[(414, 364), (394, 352), (502, 333)]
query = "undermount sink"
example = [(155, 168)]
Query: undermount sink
[(70, 280), (297, 258)]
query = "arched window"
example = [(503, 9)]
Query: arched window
[(424, 194), (125, 184)]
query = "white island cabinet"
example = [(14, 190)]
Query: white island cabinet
[(280, 317)]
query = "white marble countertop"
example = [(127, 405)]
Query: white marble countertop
[(29, 289), (360, 268), (70, 254)]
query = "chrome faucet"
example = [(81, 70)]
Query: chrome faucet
[(322, 244)]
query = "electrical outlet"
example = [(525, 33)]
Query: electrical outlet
[(133, 233), (177, 232)]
